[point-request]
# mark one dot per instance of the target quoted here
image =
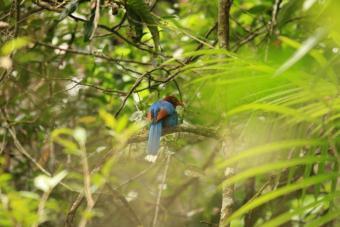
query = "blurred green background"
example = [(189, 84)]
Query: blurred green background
[(68, 149)]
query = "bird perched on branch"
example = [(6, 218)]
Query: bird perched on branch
[(162, 114)]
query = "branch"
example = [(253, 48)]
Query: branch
[(134, 87), (273, 22), (272, 25), (80, 83), (186, 62), (160, 189), (191, 59), (87, 184), (223, 23), (200, 131), (81, 52), (104, 27), (177, 192), (250, 192), (132, 214), (17, 17), (142, 137), (73, 209), (228, 200), (249, 37), (23, 151)]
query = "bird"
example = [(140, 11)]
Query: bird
[(161, 114)]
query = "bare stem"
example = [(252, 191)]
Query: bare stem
[(158, 202), (87, 185), (223, 23)]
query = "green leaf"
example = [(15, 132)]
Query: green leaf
[(69, 8), (46, 183), (259, 9), (280, 192), (107, 167), (68, 144), (275, 166), (141, 9), (268, 148), (122, 123), (335, 35), (14, 44), (283, 218), (109, 119), (308, 4), (305, 47), (286, 111), (60, 131), (324, 219), (4, 179)]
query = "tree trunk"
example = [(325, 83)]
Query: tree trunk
[(223, 23), (223, 40)]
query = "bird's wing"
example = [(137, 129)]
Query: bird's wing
[(162, 113), (165, 109), (171, 120), (160, 110)]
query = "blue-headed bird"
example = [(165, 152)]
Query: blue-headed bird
[(162, 114)]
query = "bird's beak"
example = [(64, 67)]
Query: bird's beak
[(181, 103)]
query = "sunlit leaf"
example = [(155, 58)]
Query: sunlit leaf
[(324, 219), (80, 135), (122, 123), (265, 168), (109, 119), (68, 144), (46, 183), (303, 50), (14, 44), (308, 4), (277, 221), (280, 192), (268, 148), (270, 108)]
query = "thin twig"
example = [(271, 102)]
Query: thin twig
[(133, 88), (81, 52), (22, 150), (160, 190), (87, 185), (272, 25), (135, 177), (72, 211), (93, 86), (17, 17), (41, 206), (199, 131), (136, 220)]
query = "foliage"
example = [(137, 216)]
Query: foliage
[(76, 81)]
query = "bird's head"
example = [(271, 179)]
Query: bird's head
[(173, 100)]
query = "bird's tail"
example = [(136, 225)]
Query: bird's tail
[(155, 133)]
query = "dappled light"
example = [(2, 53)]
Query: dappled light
[(169, 113)]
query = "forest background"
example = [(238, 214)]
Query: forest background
[(258, 143)]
